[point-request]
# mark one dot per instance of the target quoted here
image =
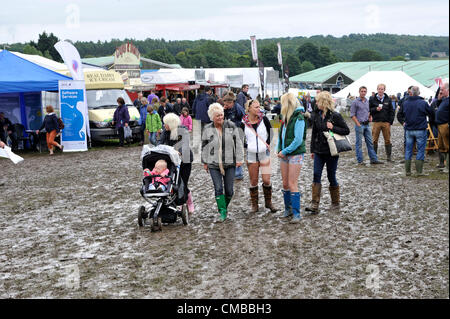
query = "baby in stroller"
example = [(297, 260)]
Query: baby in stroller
[(157, 178), (162, 187)]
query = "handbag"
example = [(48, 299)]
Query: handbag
[(127, 132), (337, 143), (60, 123)]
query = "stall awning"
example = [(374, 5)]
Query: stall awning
[(177, 87), (20, 75)]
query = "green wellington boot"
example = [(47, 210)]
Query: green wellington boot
[(408, 167), (419, 168), (222, 207)]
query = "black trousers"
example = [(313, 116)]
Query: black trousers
[(121, 136), (185, 173)]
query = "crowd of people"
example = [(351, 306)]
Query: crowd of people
[(235, 130)]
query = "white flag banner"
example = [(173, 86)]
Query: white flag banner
[(72, 96), (254, 48), (7, 153), (72, 59), (280, 57)]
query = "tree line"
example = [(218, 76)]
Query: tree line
[(301, 54)]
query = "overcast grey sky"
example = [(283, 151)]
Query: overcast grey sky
[(92, 20)]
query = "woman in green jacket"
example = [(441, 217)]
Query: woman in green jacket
[(153, 124), (291, 150)]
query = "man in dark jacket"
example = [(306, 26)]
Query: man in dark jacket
[(242, 97), (164, 107), (442, 122), (416, 110), (177, 107), (382, 117), (201, 105)]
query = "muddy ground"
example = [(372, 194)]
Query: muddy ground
[(68, 229)]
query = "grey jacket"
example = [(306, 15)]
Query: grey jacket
[(232, 146)]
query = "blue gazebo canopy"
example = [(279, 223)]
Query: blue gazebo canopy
[(20, 75)]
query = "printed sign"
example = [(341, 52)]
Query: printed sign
[(73, 110)]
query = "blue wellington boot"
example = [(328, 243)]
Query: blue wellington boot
[(295, 202), (287, 203)]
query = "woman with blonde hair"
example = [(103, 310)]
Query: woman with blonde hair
[(325, 119), (176, 135), (291, 149), (222, 152), (51, 127), (258, 134)]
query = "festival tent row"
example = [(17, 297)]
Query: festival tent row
[(395, 81), (21, 84), (220, 77)]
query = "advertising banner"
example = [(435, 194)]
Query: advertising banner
[(71, 58), (280, 57), (254, 48), (73, 106)]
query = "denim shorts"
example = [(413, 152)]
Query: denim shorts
[(258, 157), (293, 159)]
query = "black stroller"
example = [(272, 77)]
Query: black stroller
[(163, 204)]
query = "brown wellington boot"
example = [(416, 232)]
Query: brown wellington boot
[(315, 198), (335, 199), (268, 198), (254, 198)]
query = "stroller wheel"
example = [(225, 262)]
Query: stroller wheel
[(184, 215), (141, 216), (156, 226)]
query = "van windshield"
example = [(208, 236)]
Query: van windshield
[(97, 99)]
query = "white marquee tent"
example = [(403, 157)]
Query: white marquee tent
[(435, 86), (395, 81)]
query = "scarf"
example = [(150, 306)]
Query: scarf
[(247, 121)]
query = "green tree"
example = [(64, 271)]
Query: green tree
[(366, 55), (29, 49), (325, 57), (182, 59), (47, 55), (309, 52), (241, 61), (47, 43), (307, 66), (215, 61), (268, 54), (161, 55), (398, 58), (293, 63), (216, 48), (198, 60)]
